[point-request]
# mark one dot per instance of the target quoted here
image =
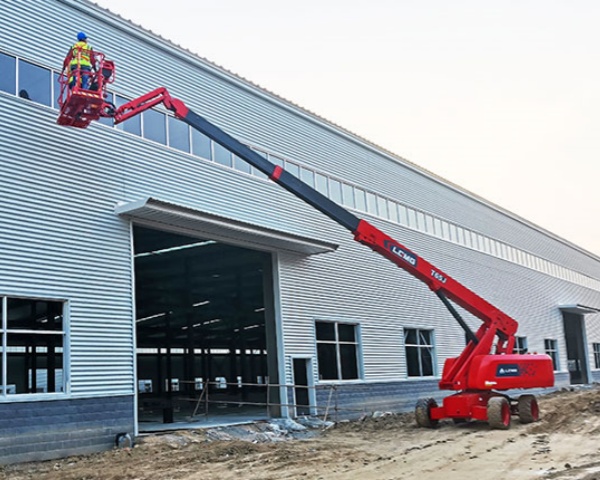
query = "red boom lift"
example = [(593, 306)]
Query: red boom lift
[(485, 368)]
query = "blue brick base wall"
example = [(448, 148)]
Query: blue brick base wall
[(348, 401), (31, 431)]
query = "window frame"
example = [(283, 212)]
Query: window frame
[(338, 343), (6, 332), (551, 349), (420, 348), (521, 347), (596, 351)]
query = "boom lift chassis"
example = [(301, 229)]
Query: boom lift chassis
[(484, 369)]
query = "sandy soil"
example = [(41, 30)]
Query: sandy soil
[(564, 444)]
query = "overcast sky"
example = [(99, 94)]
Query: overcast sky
[(501, 97)]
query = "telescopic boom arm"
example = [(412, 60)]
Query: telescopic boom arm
[(475, 373), (495, 322)]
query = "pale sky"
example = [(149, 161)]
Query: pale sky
[(501, 97)]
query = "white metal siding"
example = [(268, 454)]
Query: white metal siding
[(61, 238)]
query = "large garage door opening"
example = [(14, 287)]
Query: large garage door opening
[(203, 328)]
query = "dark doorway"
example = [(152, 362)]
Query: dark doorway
[(201, 326), (301, 386), (575, 338)]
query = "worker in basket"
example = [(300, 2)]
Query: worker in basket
[(81, 62)]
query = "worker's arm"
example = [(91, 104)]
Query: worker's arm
[(68, 58), (93, 59)]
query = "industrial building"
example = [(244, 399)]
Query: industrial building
[(150, 277)]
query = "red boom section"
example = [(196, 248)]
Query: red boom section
[(459, 373)]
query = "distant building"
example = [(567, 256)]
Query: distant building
[(139, 262)]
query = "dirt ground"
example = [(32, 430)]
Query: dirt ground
[(564, 444)]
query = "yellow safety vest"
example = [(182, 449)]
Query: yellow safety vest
[(81, 55)]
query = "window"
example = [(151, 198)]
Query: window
[(240, 164), (411, 216), (307, 176), (337, 350), (446, 230), (437, 227), (56, 91), (34, 83), (596, 347), (402, 215), (154, 126), (520, 345), (179, 134), (382, 208), (292, 168), (8, 73), (255, 171), (222, 155), (371, 203), (33, 332), (201, 145), (430, 225), (361, 199), (335, 191), (321, 184), (421, 221), (419, 352), (132, 125), (393, 209), (276, 160), (348, 195), (551, 348)]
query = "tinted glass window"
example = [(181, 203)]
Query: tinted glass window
[(371, 203), (325, 331), (222, 155), (348, 195), (134, 124), (293, 169), (349, 362), (8, 73), (346, 332), (34, 338), (240, 164), (179, 134), (361, 199), (382, 207), (336, 191), (154, 126), (321, 184), (307, 176), (34, 83), (201, 145), (327, 357), (56, 92), (393, 209)]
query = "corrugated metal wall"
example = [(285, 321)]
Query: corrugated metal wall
[(65, 240)]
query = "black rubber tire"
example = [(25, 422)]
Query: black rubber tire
[(528, 409), (423, 413), (498, 412)]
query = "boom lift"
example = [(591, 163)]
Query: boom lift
[(486, 367)]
